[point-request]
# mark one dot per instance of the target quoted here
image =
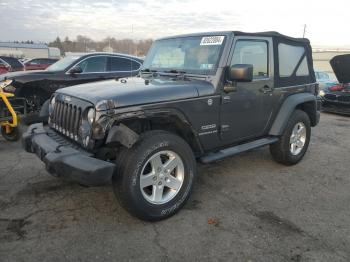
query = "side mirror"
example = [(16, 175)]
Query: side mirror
[(240, 73), (76, 70)]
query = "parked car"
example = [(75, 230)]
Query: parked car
[(39, 63), (325, 79), (336, 98), (10, 64), (38, 86), (201, 97)]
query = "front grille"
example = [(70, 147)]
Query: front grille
[(66, 119), (344, 98)]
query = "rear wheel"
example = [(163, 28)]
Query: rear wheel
[(292, 145), (154, 179), (12, 135)]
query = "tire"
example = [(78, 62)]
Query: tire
[(132, 165), (288, 151), (13, 136)]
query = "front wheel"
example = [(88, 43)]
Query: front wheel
[(12, 135), (292, 145), (155, 177)]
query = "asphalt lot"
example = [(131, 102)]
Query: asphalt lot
[(245, 208)]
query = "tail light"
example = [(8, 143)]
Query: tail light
[(336, 88)]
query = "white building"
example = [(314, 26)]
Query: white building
[(322, 56), (21, 50)]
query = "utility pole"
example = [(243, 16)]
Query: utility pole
[(304, 31)]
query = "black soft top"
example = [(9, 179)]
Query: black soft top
[(273, 34)]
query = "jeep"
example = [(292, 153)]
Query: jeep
[(199, 97)]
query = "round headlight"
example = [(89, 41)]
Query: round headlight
[(321, 93), (91, 115)]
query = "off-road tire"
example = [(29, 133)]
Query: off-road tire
[(280, 150), (126, 181)]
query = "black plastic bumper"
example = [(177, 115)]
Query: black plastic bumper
[(338, 108), (65, 161)]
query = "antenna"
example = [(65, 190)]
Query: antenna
[(132, 41), (304, 31)]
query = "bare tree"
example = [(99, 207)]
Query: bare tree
[(86, 44)]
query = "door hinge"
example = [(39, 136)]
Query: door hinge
[(224, 128), (226, 99)]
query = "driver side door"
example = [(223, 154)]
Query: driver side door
[(244, 114)]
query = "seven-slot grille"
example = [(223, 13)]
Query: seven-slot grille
[(66, 119)]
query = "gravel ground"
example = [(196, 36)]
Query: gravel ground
[(245, 208)]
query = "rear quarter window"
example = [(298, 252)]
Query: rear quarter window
[(289, 59), (123, 64)]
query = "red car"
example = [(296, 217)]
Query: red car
[(39, 63), (10, 64)]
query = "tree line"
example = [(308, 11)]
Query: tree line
[(109, 44)]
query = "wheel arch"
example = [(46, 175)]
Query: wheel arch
[(303, 101), (170, 120)]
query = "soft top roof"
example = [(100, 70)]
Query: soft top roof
[(240, 33)]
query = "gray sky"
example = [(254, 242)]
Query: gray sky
[(43, 20)]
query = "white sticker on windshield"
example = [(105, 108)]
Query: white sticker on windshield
[(212, 40)]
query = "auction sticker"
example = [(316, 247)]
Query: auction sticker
[(212, 40)]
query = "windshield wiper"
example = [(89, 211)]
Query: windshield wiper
[(174, 71), (147, 70)]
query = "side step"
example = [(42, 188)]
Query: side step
[(211, 157)]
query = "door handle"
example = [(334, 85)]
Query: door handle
[(266, 89)]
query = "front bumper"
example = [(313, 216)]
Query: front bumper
[(65, 160), (335, 106)]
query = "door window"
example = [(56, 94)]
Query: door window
[(95, 64), (254, 53)]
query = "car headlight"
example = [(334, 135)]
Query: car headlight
[(321, 93), (5, 83), (91, 115)]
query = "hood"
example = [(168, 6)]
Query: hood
[(341, 68), (19, 74), (136, 91)]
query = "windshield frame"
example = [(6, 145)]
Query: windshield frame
[(73, 60), (151, 54)]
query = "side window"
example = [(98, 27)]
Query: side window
[(35, 62), (123, 64), (95, 64), (254, 53), (289, 58)]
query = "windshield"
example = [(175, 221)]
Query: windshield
[(196, 55), (63, 63)]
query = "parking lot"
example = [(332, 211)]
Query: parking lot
[(245, 208)]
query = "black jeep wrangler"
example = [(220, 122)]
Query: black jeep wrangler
[(199, 97)]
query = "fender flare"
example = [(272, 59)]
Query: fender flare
[(44, 110), (286, 110), (146, 114)]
